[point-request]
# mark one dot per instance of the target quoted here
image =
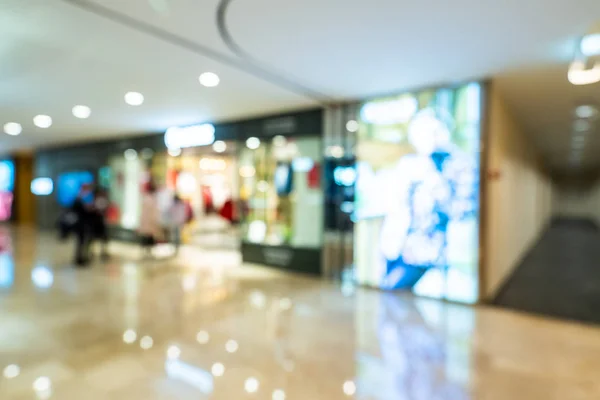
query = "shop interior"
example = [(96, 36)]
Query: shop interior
[(206, 179)]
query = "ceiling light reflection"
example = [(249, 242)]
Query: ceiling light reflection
[(203, 337), (581, 125), (42, 384), (42, 277), (146, 342), (173, 352), (11, 371), (13, 128), (278, 394), (231, 346), (258, 299), (218, 369), (349, 388), (586, 111), (129, 336), (285, 303), (251, 385)]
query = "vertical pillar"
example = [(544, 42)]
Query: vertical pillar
[(24, 202)]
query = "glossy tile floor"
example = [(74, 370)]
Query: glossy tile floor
[(204, 327)]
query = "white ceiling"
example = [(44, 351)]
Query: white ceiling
[(56, 54)]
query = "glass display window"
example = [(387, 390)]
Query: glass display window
[(280, 191)]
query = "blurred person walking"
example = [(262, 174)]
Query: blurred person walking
[(98, 215), (150, 229), (178, 216), (79, 220)]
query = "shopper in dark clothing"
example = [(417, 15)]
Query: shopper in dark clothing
[(82, 228), (98, 220)]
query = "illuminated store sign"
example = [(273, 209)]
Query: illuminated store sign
[(190, 136), (42, 186)]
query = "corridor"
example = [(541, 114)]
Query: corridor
[(560, 277), (202, 328)]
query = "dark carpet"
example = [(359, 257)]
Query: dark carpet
[(560, 277)]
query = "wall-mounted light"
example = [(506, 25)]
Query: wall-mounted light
[(42, 186), (253, 143)]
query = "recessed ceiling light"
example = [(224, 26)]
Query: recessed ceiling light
[(219, 146), (13, 128), (590, 45), (134, 98), (581, 125), (209, 79), (42, 121), (81, 111)]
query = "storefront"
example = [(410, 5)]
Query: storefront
[(118, 166), (417, 192), (281, 193), (257, 182)]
